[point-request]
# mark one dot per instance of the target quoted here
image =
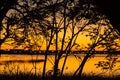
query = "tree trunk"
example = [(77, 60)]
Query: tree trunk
[(80, 68)]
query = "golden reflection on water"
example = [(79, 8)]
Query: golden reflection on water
[(34, 63)]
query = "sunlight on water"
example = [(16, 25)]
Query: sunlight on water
[(34, 63)]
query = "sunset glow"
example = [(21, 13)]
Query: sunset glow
[(59, 40)]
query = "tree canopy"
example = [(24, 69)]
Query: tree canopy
[(24, 13)]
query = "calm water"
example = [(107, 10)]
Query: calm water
[(34, 64)]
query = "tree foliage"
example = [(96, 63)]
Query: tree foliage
[(58, 24)]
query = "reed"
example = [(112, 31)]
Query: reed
[(30, 76)]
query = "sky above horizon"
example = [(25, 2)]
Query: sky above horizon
[(87, 37), (83, 40)]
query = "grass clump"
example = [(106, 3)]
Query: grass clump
[(29, 76)]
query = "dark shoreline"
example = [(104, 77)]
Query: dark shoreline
[(51, 52), (29, 76)]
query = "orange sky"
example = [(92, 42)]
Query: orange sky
[(81, 39)]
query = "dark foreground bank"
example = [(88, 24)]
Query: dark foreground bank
[(67, 77)]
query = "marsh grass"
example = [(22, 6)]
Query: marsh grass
[(29, 76)]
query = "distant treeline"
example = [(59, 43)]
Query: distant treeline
[(52, 52)]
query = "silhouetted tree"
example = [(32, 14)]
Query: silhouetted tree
[(111, 9), (52, 20), (5, 6), (23, 14), (101, 37)]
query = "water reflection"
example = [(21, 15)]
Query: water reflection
[(98, 65)]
